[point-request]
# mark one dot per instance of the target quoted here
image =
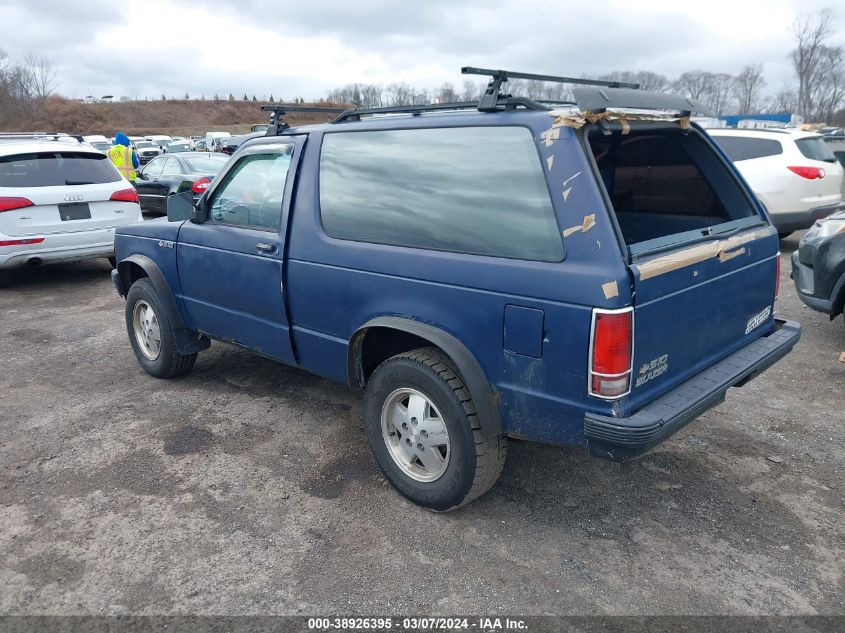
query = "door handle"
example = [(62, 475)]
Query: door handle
[(264, 247)]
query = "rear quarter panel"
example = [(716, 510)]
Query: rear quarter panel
[(335, 286)]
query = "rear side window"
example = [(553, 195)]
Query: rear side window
[(815, 149), (50, 169), (745, 148), (467, 190)]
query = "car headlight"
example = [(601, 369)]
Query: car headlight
[(831, 226)]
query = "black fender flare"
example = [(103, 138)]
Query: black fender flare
[(485, 400), (187, 341)]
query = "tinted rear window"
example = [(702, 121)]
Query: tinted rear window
[(49, 169), (467, 190), (207, 164), (744, 148), (815, 149)]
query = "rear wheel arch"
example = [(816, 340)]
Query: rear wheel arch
[(384, 337)]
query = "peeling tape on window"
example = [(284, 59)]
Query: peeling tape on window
[(576, 119), (758, 319), (721, 250)]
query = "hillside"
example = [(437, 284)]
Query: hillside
[(151, 117)]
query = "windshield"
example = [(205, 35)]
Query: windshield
[(178, 147), (207, 164), (140, 144)]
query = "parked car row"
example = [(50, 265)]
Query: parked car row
[(148, 147)]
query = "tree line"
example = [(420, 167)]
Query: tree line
[(818, 92), (24, 84)]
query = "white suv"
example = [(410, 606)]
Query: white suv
[(60, 201), (792, 172)]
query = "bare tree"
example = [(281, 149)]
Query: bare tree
[(811, 32), (41, 75), (714, 90), (646, 79), (784, 100), (828, 83), (471, 90), (720, 92), (446, 93), (749, 85), (693, 83)]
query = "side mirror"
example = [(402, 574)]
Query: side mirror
[(141, 175), (180, 206)]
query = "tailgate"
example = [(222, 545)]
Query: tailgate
[(696, 305), (66, 210)]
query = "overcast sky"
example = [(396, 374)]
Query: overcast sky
[(289, 49)]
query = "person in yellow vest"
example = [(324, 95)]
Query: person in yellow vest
[(124, 157)]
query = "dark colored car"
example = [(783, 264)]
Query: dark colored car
[(230, 144), (175, 173), (482, 272), (818, 266)]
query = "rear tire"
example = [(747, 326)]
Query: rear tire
[(150, 329), (424, 432)]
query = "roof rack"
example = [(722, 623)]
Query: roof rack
[(357, 113), (277, 124), (489, 101), (41, 136)]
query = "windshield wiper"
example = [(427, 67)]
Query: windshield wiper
[(79, 182)]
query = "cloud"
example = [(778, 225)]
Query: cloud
[(146, 48)]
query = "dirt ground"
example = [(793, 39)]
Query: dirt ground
[(247, 488)]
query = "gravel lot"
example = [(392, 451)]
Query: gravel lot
[(247, 488)]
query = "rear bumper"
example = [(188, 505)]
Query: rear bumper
[(622, 438), (797, 220), (60, 247)]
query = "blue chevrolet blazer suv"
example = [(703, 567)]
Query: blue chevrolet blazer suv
[(593, 273)]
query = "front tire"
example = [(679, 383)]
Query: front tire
[(424, 432), (150, 329)]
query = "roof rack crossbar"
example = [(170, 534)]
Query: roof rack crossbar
[(490, 99), (277, 123), (504, 102), (357, 113)]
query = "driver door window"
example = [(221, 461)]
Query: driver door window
[(252, 192)]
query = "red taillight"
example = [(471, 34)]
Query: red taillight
[(8, 204), (125, 195), (777, 278), (26, 240), (810, 173), (201, 185), (610, 369)]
